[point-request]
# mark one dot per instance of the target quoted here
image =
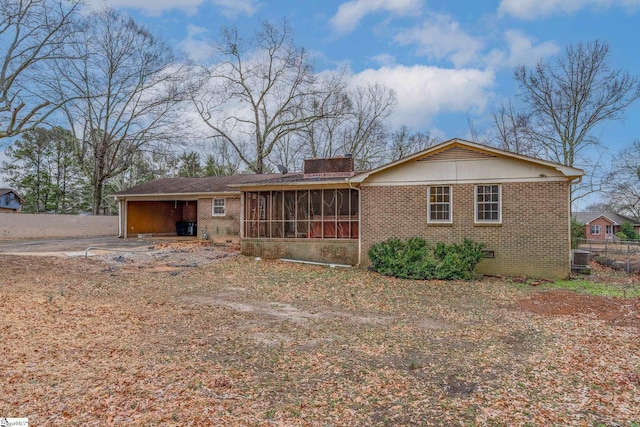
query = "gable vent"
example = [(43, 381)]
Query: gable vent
[(457, 153)]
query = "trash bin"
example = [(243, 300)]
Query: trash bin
[(181, 228), (192, 228)]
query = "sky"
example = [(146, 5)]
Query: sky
[(450, 63)]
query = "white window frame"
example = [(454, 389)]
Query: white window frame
[(595, 230), (475, 205), (223, 206), (430, 203)]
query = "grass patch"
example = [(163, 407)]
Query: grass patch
[(595, 288)]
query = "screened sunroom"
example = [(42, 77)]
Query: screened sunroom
[(301, 214)]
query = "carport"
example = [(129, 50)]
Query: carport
[(206, 207), (159, 217)]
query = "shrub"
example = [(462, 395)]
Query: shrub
[(416, 259), (577, 232), (627, 229)]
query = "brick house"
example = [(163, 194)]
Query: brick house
[(183, 206), (604, 225), (517, 205)]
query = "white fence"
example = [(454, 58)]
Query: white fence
[(47, 226)]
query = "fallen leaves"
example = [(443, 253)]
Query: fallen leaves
[(238, 342)]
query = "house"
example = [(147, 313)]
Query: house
[(10, 201), (604, 225), (183, 206), (517, 205)]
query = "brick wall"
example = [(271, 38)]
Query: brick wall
[(220, 228), (532, 240)]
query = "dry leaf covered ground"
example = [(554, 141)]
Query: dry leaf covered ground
[(195, 335)]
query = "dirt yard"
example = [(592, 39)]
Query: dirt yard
[(187, 334)]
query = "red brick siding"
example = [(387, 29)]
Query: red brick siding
[(532, 240), (602, 222), (219, 228)]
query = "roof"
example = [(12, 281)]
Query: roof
[(184, 186), (193, 187), (4, 191), (569, 172), (615, 219), (296, 179)]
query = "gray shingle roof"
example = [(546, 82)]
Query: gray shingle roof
[(214, 184), (587, 217)]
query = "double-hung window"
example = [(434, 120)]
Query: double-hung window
[(595, 230), (219, 207), (488, 204), (439, 204)]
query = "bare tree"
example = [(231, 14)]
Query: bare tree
[(32, 32), (623, 193), (122, 89), (568, 99), (403, 143), (513, 134), (261, 90), (359, 130)]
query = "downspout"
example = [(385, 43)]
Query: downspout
[(351, 187)]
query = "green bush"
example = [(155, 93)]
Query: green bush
[(577, 233), (629, 232), (414, 258)]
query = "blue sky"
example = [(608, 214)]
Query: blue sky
[(450, 62)]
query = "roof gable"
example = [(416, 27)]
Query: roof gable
[(457, 160), (456, 152), (4, 191)]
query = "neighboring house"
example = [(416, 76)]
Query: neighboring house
[(517, 205), (603, 225), (10, 201)]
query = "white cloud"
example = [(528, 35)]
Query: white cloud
[(229, 8), (423, 91), (350, 13), (195, 46), (233, 8), (531, 9), (521, 51), (385, 59), (440, 37)]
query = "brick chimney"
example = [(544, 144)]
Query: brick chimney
[(336, 167)]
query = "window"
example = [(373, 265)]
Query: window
[(595, 230), (219, 207), (439, 205), (488, 204), (609, 230)]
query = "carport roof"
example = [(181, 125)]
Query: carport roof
[(206, 185)]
